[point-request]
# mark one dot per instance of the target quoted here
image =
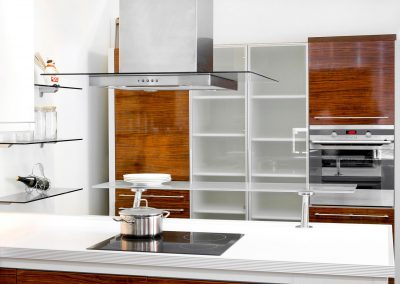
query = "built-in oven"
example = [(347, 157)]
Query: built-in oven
[(351, 154)]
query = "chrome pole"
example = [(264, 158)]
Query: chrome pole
[(305, 214)]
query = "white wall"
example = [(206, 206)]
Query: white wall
[(76, 34), (16, 72), (261, 21)]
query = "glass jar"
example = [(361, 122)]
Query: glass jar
[(51, 122), (40, 124)]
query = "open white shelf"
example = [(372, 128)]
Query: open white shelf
[(220, 211), (279, 97), (288, 175), (266, 139), (218, 97), (220, 174), (273, 218), (218, 135)]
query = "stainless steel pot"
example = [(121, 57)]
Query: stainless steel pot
[(141, 221)]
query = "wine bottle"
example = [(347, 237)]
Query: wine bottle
[(34, 182)]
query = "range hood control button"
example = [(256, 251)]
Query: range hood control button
[(334, 134), (368, 134)]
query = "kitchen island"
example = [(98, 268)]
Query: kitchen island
[(269, 252)]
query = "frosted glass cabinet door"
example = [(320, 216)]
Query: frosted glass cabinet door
[(277, 136), (16, 72), (218, 142), (219, 124)]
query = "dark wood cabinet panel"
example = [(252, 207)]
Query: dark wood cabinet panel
[(184, 281), (351, 80), (358, 215), (8, 276), (176, 201), (152, 136), (55, 277)]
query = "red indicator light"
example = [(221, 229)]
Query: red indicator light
[(351, 132)]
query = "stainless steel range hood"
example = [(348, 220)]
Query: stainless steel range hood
[(161, 41), (167, 45)]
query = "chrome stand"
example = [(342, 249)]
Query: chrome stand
[(138, 196), (305, 216)]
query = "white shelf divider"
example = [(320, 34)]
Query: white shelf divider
[(287, 175), (272, 139), (217, 97), (220, 211), (219, 174), (218, 134), (278, 97)]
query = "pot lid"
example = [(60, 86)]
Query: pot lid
[(141, 211)]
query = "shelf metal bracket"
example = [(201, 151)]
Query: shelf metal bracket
[(47, 89)]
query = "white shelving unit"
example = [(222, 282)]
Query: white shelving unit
[(218, 141), (277, 128), (257, 133)]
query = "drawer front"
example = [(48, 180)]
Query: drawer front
[(357, 215), (175, 201)]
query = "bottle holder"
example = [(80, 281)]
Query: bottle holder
[(38, 187)]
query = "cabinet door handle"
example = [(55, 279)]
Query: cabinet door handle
[(174, 210), (165, 196), (151, 195), (351, 215), (351, 117)]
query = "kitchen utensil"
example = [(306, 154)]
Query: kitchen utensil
[(141, 221)]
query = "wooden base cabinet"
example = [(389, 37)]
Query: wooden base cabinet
[(20, 276), (8, 276), (184, 281), (56, 277), (356, 215)]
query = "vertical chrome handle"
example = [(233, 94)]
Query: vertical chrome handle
[(296, 131)]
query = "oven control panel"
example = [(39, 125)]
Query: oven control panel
[(352, 133)]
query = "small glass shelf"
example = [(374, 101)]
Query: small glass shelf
[(25, 197), (33, 142), (43, 89)]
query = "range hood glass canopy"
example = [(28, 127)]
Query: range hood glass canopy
[(218, 80)]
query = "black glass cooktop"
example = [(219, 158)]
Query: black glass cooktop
[(173, 242)]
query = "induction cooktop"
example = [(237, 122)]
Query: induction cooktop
[(200, 243)]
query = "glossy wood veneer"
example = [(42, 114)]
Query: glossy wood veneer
[(184, 281), (362, 215), (351, 77), (8, 276), (152, 136), (56, 277)]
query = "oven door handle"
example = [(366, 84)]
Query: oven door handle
[(296, 131), (375, 142)]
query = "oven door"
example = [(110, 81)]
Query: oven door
[(370, 166)]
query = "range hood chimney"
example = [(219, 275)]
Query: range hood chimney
[(166, 36)]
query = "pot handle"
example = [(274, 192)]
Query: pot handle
[(120, 219), (167, 213)]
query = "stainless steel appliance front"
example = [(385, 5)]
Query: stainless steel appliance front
[(357, 154)]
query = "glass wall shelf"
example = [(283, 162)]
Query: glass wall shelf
[(43, 89), (27, 197), (236, 186), (218, 80), (33, 142)]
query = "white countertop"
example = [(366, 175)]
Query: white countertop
[(50, 242)]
